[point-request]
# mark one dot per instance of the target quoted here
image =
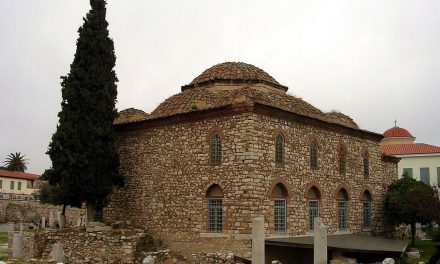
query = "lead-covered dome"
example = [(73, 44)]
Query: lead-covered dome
[(234, 72)]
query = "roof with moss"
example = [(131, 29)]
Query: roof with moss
[(233, 72), (196, 96)]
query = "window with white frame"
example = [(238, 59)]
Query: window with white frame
[(424, 175), (215, 215), (313, 212), (215, 149), (214, 197), (342, 215), (408, 172), (279, 206)]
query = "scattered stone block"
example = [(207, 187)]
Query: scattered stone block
[(388, 261), (17, 246), (148, 260), (57, 252), (413, 254)]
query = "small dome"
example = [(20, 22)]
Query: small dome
[(397, 132), (237, 72)]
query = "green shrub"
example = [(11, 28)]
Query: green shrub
[(433, 233)]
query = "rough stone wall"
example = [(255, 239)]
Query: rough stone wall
[(167, 174), (32, 211), (83, 247), (297, 173)]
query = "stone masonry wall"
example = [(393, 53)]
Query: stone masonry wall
[(167, 175), (32, 211)]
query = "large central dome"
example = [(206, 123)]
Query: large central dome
[(234, 72)]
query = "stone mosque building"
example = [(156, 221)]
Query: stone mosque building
[(232, 145)]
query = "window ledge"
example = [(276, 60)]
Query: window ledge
[(278, 235), (343, 231), (214, 235)]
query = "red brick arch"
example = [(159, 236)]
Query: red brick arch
[(365, 189), (274, 183), (278, 131), (340, 187), (314, 137), (312, 184), (217, 129)]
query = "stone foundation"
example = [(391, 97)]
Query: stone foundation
[(116, 246)]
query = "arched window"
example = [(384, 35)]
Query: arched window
[(314, 155), (342, 159), (313, 196), (279, 149), (214, 196), (279, 194), (366, 208), (366, 164), (342, 198), (215, 149)]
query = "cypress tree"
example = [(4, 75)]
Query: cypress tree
[(85, 164)]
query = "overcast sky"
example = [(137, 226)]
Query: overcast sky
[(373, 60)]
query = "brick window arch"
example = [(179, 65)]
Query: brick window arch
[(215, 149), (279, 149), (214, 196), (366, 164)]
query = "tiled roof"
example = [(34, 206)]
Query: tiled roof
[(130, 115), (198, 95), (203, 99), (235, 72), (407, 149), (397, 132), (19, 175)]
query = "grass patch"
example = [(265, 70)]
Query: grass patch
[(4, 246), (4, 237), (427, 249)]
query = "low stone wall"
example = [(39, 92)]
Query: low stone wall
[(32, 211), (115, 246), (8, 227)]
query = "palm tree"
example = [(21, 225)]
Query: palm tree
[(16, 162)]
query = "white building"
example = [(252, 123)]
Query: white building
[(419, 160), (18, 185)]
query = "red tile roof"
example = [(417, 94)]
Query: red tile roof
[(406, 149), (397, 132), (19, 175)]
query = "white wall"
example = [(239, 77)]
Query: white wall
[(6, 186), (416, 162)]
